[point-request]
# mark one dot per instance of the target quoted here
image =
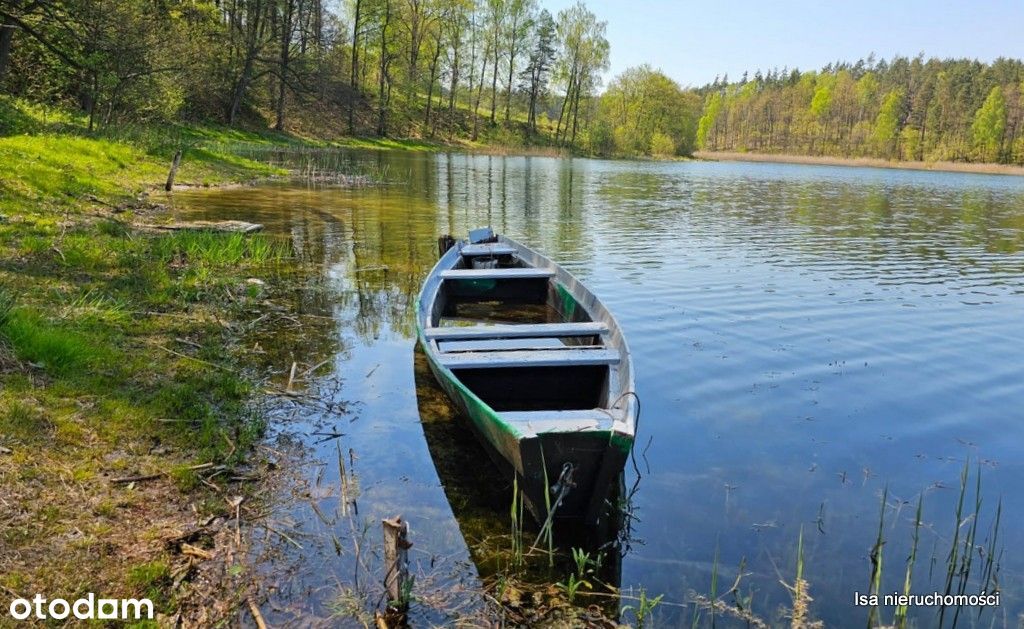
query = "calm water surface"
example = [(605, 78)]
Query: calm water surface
[(803, 337)]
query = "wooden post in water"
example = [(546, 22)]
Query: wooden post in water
[(397, 582), (174, 171)]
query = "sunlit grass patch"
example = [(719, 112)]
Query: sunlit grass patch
[(149, 580), (60, 351), (23, 420), (213, 249)]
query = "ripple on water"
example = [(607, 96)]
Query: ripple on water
[(803, 336)]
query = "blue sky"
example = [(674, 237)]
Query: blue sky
[(694, 41)]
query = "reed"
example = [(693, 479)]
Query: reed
[(900, 619), (876, 560), (516, 513), (546, 531)]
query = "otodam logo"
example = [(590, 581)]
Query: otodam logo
[(87, 608)]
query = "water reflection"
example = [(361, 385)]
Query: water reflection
[(803, 337)]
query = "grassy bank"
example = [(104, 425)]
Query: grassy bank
[(954, 167), (126, 403)]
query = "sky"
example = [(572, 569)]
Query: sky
[(692, 42)]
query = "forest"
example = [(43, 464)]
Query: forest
[(480, 72)]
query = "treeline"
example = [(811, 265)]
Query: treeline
[(450, 68), (903, 109), (496, 71)]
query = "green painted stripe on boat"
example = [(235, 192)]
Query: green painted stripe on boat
[(624, 443), (568, 302), (480, 412)]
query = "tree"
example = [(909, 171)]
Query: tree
[(542, 57), (496, 12), (354, 75), (989, 125), (648, 113), (583, 57), (520, 20), (887, 123)]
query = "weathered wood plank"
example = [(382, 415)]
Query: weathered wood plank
[(516, 331), (499, 345), (537, 422), (534, 358), (488, 249), (517, 273)]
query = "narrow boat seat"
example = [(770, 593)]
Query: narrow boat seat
[(529, 358), (536, 422), (487, 249), (500, 345), (513, 273), (516, 331)]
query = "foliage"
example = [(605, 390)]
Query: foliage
[(902, 109), (648, 114), (485, 71), (989, 125)]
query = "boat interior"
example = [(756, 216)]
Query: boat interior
[(514, 336)]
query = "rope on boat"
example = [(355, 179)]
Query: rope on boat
[(561, 490)]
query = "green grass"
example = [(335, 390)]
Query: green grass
[(57, 350), (118, 354), (48, 159)]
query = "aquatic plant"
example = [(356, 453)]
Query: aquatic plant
[(644, 607)]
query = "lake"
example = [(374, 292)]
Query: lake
[(805, 339)]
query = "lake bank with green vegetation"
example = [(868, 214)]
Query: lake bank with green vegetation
[(862, 162), (128, 408)]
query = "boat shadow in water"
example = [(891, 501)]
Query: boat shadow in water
[(480, 494)]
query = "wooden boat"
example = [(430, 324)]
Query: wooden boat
[(539, 367)]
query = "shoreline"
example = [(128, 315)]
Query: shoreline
[(861, 162)]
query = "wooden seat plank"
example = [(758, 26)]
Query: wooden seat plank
[(515, 273), (500, 345), (536, 422), (529, 358), (488, 249), (515, 331)]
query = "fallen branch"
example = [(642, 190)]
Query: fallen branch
[(136, 479), (195, 551), (283, 535), (256, 615)]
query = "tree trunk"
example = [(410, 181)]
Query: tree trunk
[(240, 87), (479, 93), (93, 97), (561, 112), (286, 46), (6, 38), (354, 82), (433, 77), (382, 112), (494, 83), (455, 80), (511, 70)]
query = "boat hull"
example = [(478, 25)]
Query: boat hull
[(537, 453), (597, 457)]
